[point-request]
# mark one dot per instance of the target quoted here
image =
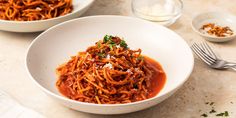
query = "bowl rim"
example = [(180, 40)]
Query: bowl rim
[(61, 97), (89, 2), (211, 36)]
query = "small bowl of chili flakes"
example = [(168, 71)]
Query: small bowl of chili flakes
[(215, 26)]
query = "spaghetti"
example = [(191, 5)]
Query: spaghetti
[(110, 73), (29, 10)]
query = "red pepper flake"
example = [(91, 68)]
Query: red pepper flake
[(216, 30)]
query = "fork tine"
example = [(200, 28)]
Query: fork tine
[(201, 57), (204, 48), (209, 49), (204, 53), (200, 52), (193, 47)]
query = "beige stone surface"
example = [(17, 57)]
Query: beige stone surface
[(204, 84)]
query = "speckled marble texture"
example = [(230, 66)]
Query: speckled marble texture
[(204, 84)]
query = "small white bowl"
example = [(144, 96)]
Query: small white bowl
[(219, 18), (79, 7), (57, 44)]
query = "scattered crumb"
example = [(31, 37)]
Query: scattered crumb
[(226, 113), (204, 115), (212, 111), (212, 103)]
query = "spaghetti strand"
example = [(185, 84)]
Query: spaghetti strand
[(107, 73), (29, 10)]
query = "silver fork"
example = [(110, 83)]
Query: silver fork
[(204, 51)]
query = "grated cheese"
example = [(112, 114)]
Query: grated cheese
[(108, 65)]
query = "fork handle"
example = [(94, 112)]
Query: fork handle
[(233, 67), (230, 64)]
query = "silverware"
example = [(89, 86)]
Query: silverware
[(205, 52)]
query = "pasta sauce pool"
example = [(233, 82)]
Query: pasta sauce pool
[(158, 78)]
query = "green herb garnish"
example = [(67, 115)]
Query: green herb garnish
[(99, 44), (123, 44), (212, 111), (112, 42), (107, 38), (204, 115), (102, 55), (111, 46), (220, 114), (226, 113)]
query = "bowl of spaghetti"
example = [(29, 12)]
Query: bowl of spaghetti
[(38, 15), (109, 64)]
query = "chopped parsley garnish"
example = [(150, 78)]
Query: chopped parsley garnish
[(220, 114), (101, 55), (112, 42), (99, 44), (123, 44), (211, 103), (212, 111), (204, 115), (226, 113), (107, 38), (111, 46)]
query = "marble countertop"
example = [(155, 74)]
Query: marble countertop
[(204, 84)]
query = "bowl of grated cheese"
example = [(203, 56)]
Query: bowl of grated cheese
[(164, 12)]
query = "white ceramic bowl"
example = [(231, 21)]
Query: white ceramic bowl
[(222, 19), (80, 6), (57, 44)]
